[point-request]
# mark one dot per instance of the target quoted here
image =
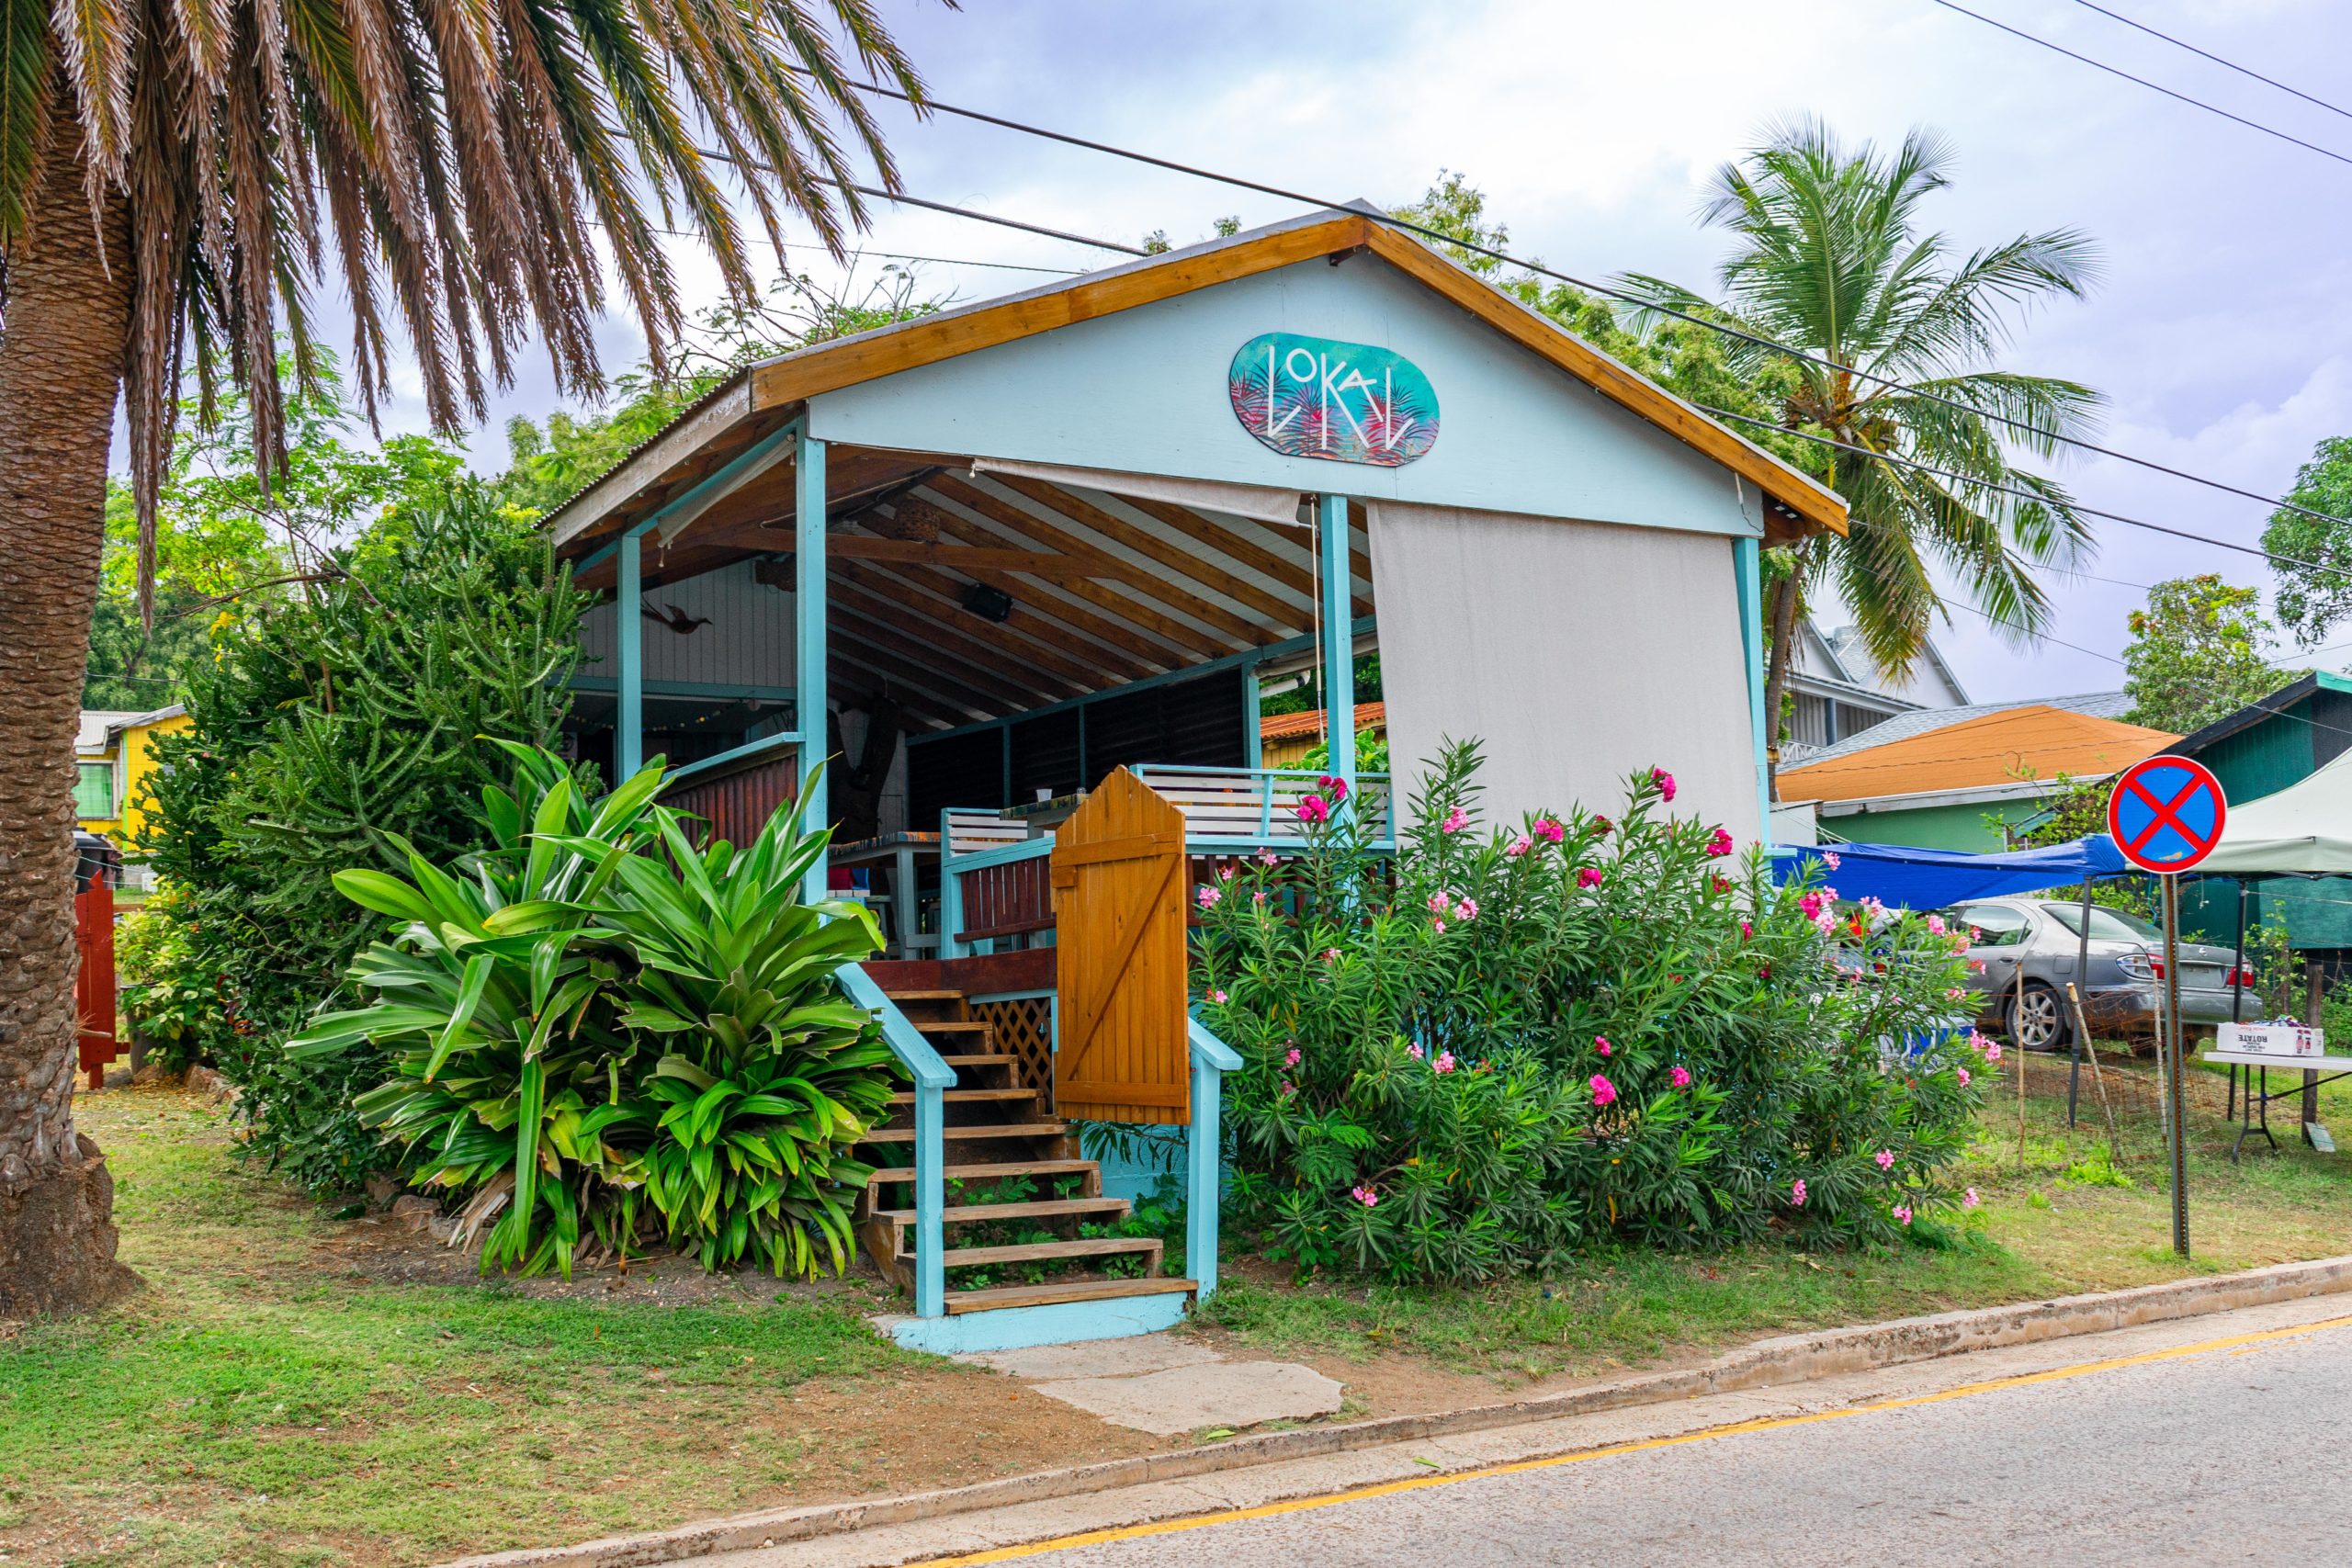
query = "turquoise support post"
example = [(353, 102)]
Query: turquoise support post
[(1747, 556), (1252, 745), (629, 627), (809, 665), (1212, 1059), (951, 894), (1338, 641)]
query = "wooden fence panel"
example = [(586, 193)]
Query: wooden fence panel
[(1119, 927)]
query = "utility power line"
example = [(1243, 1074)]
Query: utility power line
[(1609, 291), (2142, 81), (2208, 55)]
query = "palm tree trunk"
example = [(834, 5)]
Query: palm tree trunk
[(61, 365), (1785, 594)]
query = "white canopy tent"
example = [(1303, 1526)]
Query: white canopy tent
[(2305, 828)]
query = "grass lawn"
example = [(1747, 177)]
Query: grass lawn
[(2040, 1232), (265, 1402)]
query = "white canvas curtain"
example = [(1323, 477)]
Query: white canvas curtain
[(1576, 653), (1257, 502)]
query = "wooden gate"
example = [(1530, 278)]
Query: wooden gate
[(94, 982), (1119, 928)]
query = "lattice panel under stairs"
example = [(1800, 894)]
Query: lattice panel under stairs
[(1025, 1027)]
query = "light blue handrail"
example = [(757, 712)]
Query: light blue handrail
[(1212, 1058), (744, 752), (933, 1078), (1382, 837)]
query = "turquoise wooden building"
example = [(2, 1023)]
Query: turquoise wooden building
[(1020, 567)]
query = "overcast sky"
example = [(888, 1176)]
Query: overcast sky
[(2217, 330)]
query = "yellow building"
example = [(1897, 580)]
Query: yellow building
[(1286, 738), (115, 752)]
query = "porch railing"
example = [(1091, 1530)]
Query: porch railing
[(1230, 810), (1212, 1058), (933, 1078)]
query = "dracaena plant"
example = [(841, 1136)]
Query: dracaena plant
[(601, 1030)]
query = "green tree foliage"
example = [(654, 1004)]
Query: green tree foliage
[(1500, 1043), (2315, 596), (2199, 650), (222, 538), (1830, 257), (333, 727), (598, 1029), (553, 462)]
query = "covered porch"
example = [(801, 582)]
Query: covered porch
[(1016, 574)]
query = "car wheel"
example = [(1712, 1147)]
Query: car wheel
[(2037, 1019)]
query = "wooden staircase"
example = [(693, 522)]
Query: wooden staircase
[(1001, 1138)]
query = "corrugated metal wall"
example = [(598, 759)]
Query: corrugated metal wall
[(748, 642)]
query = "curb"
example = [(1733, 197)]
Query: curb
[(1787, 1359)]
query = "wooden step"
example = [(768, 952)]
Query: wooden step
[(951, 1025), (904, 997), (1054, 1251), (962, 1135), (1051, 1292), (1041, 1209), (990, 1172), (1002, 1059), (967, 1096)]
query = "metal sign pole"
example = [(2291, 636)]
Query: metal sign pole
[(2173, 1065)]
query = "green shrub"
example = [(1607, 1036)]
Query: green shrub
[(1498, 1045), (168, 999), (595, 1010), (329, 726)]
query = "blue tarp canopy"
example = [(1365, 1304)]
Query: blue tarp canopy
[(1930, 879)]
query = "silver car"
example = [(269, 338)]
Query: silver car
[(2122, 989)]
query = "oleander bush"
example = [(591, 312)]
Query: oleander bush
[(1498, 1044), (604, 1036)]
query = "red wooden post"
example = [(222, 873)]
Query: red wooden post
[(94, 983)]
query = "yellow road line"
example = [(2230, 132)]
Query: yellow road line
[(2236, 1342)]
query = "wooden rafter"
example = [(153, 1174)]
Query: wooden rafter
[(919, 677), (850, 618), (1224, 538), (998, 654), (1286, 617), (937, 597), (966, 558)]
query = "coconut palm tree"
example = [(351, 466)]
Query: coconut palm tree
[(178, 178), (1830, 259)]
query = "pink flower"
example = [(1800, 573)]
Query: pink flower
[(1588, 877), (1291, 1059), (1601, 1044), (1885, 1158), (1218, 998), (1990, 1049), (1288, 1088), (1549, 829), (1935, 925), (1268, 857), (1311, 809), (1796, 1193), (1829, 858), (1208, 896), (1364, 1195), (1330, 956), (1720, 844), (1519, 846), (1679, 1077), (1440, 901), (1466, 910), (1664, 782), (1969, 1199), (1259, 896), (1954, 994), (1334, 786), (1415, 1051), (1444, 1062), (1603, 1091), (1962, 1073), (1438, 925), (1903, 1214), (1811, 906), (1456, 820), (1226, 873), (1746, 929)]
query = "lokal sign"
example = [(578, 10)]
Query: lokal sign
[(1344, 402), (2165, 814)]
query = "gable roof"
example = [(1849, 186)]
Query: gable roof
[(2004, 746), (1920, 721), (763, 394), (2255, 711)]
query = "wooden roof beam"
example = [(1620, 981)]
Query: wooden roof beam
[(931, 592)]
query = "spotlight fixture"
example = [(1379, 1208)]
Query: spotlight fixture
[(989, 603)]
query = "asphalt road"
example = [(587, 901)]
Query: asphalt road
[(2233, 1455)]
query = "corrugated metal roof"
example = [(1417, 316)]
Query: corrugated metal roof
[(2008, 745), (1920, 721), (1290, 726)]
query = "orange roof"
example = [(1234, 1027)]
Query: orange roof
[(2012, 746), (1291, 725)]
